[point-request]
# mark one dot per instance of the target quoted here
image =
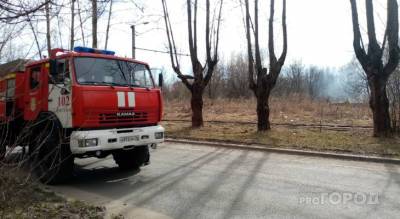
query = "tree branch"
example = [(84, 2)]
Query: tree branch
[(252, 84), (195, 27), (392, 30), (208, 35), (282, 58), (213, 62), (256, 41), (271, 47), (172, 47), (373, 46), (357, 41), (22, 12)]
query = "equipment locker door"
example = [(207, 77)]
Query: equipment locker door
[(33, 98)]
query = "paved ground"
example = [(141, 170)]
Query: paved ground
[(186, 181)]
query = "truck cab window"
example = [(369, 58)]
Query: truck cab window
[(35, 78), (101, 71), (141, 77), (2, 91), (10, 93), (62, 71)]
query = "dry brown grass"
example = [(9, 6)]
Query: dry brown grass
[(293, 110), (355, 141)]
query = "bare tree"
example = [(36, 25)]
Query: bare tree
[(48, 35), (394, 98), (372, 62), (296, 74), (7, 33), (94, 23), (108, 24), (201, 73), (72, 28), (216, 84), (81, 24), (263, 82), (314, 81), (11, 12), (236, 77), (355, 81), (35, 37)]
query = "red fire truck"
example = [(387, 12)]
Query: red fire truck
[(77, 104)]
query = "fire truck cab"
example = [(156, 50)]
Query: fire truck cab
[(81, 103)]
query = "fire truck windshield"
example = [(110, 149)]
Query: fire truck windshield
[(99, 71)]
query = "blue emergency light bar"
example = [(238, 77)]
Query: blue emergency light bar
[(92, 50)]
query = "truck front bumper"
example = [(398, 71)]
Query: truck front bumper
[(83, 142)]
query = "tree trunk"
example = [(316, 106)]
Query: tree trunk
[(81, 24), (197, 106), (379, 104), (48, 36), (108, 24), (263, 123), (35, 37), (94, 23), (72, 36)]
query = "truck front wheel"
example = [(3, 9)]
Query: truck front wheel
[(2, 151), (52, 160), (132, 159)]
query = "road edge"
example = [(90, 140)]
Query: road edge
[(255, 147)]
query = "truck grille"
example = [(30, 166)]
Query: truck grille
[(108, 118)]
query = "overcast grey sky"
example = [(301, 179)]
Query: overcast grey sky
[(320, 31)]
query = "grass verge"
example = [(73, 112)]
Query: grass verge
[(355, 142)]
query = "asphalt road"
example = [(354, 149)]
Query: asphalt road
[(187, 181)]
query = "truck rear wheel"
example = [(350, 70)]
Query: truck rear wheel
[(3, 141), (132, 159), (52, 161)]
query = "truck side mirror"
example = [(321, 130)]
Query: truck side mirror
[(67, 82), (160, 80), (67, 86), (53, 67)]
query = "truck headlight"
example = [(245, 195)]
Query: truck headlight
[(159, 135), (88, 142)]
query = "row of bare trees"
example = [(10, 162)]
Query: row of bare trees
[(230, 81), (262, 80)]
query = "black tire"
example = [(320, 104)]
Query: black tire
[(132, 159), (2, 151), (53, 162)]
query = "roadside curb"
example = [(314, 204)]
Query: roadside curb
[(342, 156)]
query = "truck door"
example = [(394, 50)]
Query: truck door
[(60, 100), (33, 97)]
